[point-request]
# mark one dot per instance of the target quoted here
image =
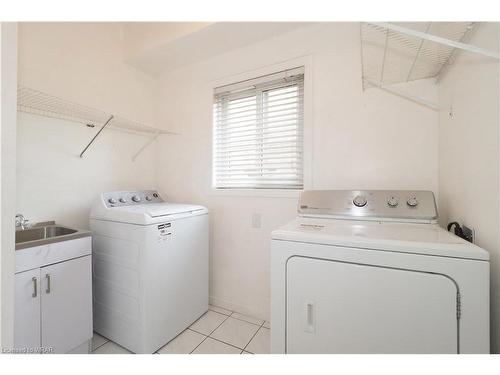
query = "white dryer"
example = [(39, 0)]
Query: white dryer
[(150, 268), (372, 272)]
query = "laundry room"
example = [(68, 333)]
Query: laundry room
[(255, 186)]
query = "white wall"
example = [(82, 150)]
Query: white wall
[(55, 184), (8, 81), (81, 62), (469, 190), (371, 140)]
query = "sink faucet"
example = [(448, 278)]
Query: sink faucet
[(21, 221)]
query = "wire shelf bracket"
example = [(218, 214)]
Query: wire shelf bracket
[(96, 135), (146, 145)]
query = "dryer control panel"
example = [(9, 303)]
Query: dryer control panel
[(129, 198), (399, 205)]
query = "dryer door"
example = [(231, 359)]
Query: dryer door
[(336, 307)]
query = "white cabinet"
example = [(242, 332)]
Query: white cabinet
[(338, 307), (53, 303), (66, 304), (27, 309)]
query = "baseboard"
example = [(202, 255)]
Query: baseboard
[(242, 309)]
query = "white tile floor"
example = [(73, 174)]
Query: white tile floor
[(218, 331)]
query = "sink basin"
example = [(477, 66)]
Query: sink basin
[(54, 231), (42, 234)]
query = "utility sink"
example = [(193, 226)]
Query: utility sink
[(45, 233), (42, 232)]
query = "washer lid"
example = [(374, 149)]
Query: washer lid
[(145, 214), (427, 239), (166, 209)]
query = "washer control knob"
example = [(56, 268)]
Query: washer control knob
[(122, 200), (136, 199), (359, 201), (392, 201), (412, 201), (148, 198), (112, 200)]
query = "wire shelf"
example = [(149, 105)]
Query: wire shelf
[(39, 103), (390, 56)]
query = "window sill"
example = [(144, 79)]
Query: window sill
[(262, 193)]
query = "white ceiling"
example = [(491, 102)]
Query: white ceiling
[(139, 37), (156, 47)]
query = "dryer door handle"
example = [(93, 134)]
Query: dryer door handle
[(310, 325)]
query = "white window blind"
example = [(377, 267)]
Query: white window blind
[(258, 127)]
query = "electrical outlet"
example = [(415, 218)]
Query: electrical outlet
[(256, 221), (469, 234)]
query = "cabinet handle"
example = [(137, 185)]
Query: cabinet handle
[(35, 289), (47, 276)]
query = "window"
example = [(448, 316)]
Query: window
[(258, 127)]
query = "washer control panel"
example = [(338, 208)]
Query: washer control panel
[(129, 198), (373, 204)]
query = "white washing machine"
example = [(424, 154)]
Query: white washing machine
[(150, 268), (372, 272)]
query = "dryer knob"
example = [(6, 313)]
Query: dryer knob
[(359, 201), (136, 199), (412, 201), (112, 200), (122, 200), (148, 198), (392, 201)]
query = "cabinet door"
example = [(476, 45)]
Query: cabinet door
[(66, 304), (335, 307), (27, 310)]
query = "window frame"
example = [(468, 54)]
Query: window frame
[(306, 62)]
